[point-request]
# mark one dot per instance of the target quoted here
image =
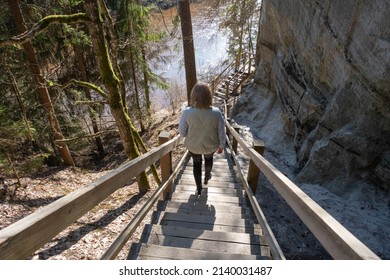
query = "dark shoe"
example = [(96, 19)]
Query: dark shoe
[(207, 178), (199, 189)]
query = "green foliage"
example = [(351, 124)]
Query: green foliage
[(12, 131), (241, 18), (34, 164), (72, 3), (24, 116), (75, 36)]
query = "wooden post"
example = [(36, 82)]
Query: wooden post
[(250, 64), (227, 83), (254, 171), (165, 162), (227, 128), (234, 145)]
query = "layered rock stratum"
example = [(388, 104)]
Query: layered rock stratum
[(323, 71)]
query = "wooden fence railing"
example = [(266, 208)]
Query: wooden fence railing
[(127, 232), (335, 238), (22, 238)]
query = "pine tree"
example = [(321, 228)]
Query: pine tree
[(40, 82), (105, 46)]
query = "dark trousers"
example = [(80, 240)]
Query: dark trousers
[(208, 165)]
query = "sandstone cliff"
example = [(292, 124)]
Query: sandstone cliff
[(323, 76)]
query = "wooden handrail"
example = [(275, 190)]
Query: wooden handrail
[(336, 239), (124, 236), (276, 251), (22, 238)]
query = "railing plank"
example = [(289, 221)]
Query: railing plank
[(24, 237), (276, 251), (126, 233), (336, 239)]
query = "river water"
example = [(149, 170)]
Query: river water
[(210, 43)]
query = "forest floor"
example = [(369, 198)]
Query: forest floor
[(91, 235)]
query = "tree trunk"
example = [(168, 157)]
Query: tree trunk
[(21, 105), (39, 80), (146, 80), (113, 48), (146, 87), (188, 45), (136, 92), (239, 55), (91, 109), (112, 84)]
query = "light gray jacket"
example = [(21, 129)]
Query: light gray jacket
[(204, 130)]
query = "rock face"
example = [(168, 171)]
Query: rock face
[(326, 64)]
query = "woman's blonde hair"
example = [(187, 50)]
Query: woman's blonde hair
[(201, 97)]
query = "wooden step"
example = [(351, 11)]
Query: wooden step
[(214, 183), (192, 197), (158, 252), (226, 170), (231, 237), (243, 215), (221, 208), (239, 243), (210, 190), (221, 165), (203, 212), (219, 99), (218, 222), (207, 209), (216, 175)]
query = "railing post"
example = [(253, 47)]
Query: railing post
[(227, 83), (227, 128), (254, 171), (244, 61), (165, 162), (234, 144), (250, 64)]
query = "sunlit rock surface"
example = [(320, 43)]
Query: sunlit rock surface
[(324, 75)]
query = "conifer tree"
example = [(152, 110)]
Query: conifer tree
[(40, 82), (105, 46)]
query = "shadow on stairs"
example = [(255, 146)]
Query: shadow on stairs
[(218, 224)]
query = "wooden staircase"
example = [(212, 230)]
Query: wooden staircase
[(216, 225), (231, 85)]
